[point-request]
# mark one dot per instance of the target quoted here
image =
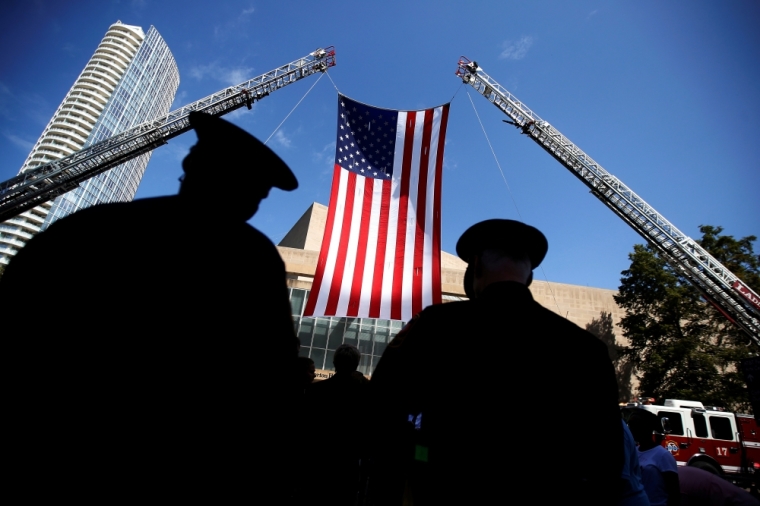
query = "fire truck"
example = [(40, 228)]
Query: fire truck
[(723, 443)]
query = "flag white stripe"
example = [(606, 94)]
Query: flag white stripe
[(372, 236), (427, 276), (411, 218), (390, 247), (332, 253), (351, 247), (390, 250)]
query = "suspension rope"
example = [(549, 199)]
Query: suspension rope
[(494, 156), (331, 80), (456, 92), (559, 311), (294, 108), (546, 280)]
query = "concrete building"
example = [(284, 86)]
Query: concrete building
[(131, 78), (321, 336)]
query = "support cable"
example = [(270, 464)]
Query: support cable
[(294, 108), (457, 92), (494, 156), (559, 311), (333, 82)]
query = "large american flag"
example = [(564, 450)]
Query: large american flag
[(381, 252)]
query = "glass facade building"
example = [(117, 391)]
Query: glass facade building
[(322, 335), (131, 78), (146, 91)]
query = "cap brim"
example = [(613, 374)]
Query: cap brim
[(218, 134)]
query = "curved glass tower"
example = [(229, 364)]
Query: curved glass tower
[(131, 78)]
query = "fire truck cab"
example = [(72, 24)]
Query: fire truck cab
[(723, 443)]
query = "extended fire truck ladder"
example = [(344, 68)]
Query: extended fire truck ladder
[(720, 286), (45, 182)]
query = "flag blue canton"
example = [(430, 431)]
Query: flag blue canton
[(366, 139)]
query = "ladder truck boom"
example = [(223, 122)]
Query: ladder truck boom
[(721, 287), (45, 182)]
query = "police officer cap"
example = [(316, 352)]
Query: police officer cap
[(216, 135), (506, 235)]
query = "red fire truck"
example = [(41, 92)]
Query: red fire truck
[(723, 443)]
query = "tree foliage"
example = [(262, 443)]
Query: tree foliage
[(680, 346), (604, 329)]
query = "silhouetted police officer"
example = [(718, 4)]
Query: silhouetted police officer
[(512, 401), (140, 334)]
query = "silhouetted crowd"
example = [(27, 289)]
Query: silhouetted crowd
[(162, 366)]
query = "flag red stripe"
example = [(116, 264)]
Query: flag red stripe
[(437, 299), (382, 239), (326, 238), (421, 204), (403, 204), (361, 249), (340, 261)]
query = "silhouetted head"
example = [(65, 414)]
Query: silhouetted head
[(229, 170), (346, 358), (500, 250), (646, 428), (305, 371)]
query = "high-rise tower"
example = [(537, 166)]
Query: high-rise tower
[(131, 78)]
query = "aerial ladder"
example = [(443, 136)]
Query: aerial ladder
[(735, 300), (45, 182)]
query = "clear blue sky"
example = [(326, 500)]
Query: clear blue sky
[(663, 94)]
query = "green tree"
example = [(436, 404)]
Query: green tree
[(680, 346), (604, 329)]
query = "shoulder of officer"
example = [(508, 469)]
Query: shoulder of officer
[(428, 322)]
